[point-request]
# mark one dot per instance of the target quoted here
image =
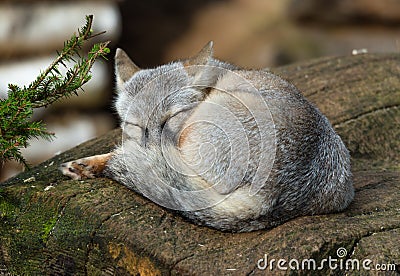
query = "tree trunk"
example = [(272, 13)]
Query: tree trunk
[(53, 225)]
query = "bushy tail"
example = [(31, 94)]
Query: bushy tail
[(160, 175)]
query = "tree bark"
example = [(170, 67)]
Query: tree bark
[(53, 225)]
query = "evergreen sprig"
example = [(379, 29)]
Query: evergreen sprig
[(16, 127)]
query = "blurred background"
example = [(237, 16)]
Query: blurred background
[(249, 33)]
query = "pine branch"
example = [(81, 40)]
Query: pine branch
[(55, 87), (51, 85)]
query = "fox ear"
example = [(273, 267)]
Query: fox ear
[(202, 67), (202, 57), (124, 67)]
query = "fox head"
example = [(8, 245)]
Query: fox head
[(152, 101)]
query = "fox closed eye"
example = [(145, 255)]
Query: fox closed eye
[(175, 121), (133, 131)]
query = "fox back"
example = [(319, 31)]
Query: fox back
[(233, 149)]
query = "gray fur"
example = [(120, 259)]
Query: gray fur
[(167, 148)]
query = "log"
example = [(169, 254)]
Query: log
[(53, 225)]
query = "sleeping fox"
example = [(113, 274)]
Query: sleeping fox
[(233, 149)]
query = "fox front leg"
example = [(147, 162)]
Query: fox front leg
[(87, 167)]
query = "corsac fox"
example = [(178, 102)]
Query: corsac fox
[(233, 149)]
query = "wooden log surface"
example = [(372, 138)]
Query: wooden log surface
[(56, 226)]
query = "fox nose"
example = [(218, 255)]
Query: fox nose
[(145, 137)]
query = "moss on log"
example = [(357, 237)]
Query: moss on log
[(53, 225)]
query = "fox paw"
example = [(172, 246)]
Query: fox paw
[(77, 169), (88, 167)]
